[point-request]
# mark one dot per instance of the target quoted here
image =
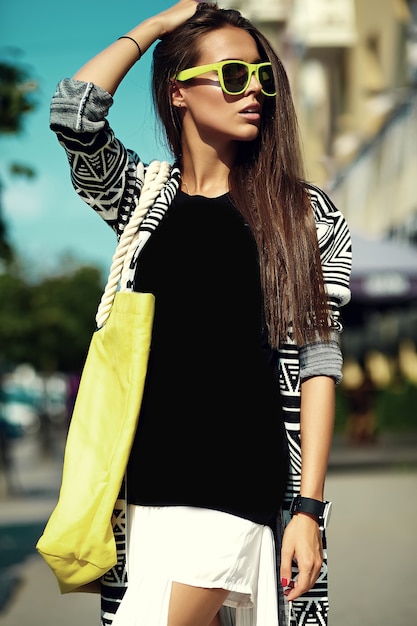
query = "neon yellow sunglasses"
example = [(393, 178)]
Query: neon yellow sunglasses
[(234, 76)]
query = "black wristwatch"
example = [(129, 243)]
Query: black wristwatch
[(320, 510)]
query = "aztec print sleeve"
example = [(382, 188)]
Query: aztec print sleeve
[(336, 255), (103, 172), (335, 251)]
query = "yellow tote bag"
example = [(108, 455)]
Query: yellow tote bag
[(78, 542)]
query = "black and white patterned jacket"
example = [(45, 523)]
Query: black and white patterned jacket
[(109, 178)]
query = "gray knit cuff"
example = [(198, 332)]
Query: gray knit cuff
[(321, 359), (80, 106)]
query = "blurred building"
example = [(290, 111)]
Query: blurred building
[(352, 65), (353, 70)]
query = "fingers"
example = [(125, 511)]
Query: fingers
[(308, 573), (176, 15), (301, 545), (298, 587), (286, 574)]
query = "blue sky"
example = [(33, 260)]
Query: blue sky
[(46, 220)]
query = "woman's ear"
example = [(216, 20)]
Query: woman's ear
[(176, 96)]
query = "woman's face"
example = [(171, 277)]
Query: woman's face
[(211, 115)]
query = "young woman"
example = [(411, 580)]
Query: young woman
[(246, 323)]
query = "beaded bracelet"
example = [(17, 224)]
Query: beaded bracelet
[(134, 41)]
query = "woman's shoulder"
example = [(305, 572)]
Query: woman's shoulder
[(328, 217), (333, 232), (320, 201)]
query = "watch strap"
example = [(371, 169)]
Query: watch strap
[(320, 510)]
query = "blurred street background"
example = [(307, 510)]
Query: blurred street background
[(372, 537), (353, 69)]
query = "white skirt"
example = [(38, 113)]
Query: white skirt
[(201, 548)]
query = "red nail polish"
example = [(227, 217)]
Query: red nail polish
[(284, 582)]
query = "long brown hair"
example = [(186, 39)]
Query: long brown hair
[(266, 182)]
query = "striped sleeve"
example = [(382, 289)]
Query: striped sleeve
[(335, 251), (103, 172)]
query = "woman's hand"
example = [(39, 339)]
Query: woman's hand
[(108, 68), (302, 543), (176, 15)]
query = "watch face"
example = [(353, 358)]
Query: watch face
[(326, 515)]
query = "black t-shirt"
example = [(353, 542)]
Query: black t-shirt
[(210, 430)]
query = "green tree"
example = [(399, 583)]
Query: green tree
[(6, 251), (64, 310), (15, 319), (16, 97), (49, 325), (16, 101)]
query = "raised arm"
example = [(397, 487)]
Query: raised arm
[(108, 68)]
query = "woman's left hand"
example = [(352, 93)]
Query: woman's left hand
[(302, 543)]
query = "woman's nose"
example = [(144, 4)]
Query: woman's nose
[(254, 84)]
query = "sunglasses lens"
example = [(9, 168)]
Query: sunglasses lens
[(266, 78), (235, 77)]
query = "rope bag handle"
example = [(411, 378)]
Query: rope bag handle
[(155, 178)]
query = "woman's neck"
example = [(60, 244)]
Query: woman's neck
[(204, 175)]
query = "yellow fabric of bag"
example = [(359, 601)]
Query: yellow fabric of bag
[(78, 541)]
